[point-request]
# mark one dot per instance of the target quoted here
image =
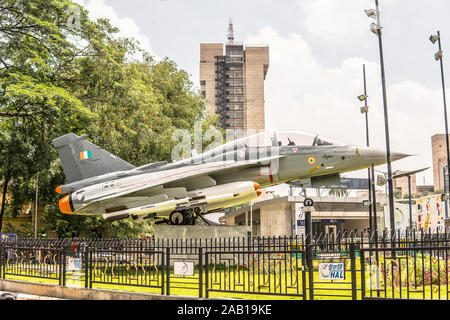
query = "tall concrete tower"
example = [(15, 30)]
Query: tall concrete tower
[(439, 160), (232, 80)]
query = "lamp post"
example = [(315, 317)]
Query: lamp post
[(438, 56), (36, 206), (445, 170), (365, 110), (409, 174), (376, 28)]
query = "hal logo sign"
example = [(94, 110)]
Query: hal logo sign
[(331, 271)]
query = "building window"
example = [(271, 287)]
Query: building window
[(204, 93), (202, 82)]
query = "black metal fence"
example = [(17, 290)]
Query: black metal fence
[(411, 265)]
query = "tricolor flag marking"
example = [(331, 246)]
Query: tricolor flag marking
[(85, 155)]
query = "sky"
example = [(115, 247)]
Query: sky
[(317, 51)]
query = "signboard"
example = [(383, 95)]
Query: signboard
[(7, 236), (308, 202), (300, 218), (346, 183), (74, 264), (183, 268), (331, 271), (74, 275)]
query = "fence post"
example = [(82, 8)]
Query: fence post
[(2, 262), (63, 267), (303, 274), (168, 271), (363, 272), (87, 267), (90, 269), (353, 270), (206, 275), (200, 271)]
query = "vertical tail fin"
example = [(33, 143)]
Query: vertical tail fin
[(82, 159)]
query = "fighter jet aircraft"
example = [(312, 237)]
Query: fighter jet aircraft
[(180, 192)]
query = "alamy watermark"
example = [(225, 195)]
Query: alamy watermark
[(210, 146)]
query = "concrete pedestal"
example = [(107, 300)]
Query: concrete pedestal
[(200, 232)]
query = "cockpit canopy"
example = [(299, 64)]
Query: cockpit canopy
[(285, 138), (277, 138)]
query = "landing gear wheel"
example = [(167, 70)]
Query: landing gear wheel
[(177, 218)]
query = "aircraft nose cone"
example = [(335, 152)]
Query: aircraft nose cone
[(397, 156), (379, 156)]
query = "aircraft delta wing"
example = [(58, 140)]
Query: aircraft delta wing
[(152, 183)]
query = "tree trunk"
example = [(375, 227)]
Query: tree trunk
[(5, 189)]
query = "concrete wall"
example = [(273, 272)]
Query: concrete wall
[(275, 219), (402, 183), (200, 232), (256, 65), (438, 149), (207, 73)]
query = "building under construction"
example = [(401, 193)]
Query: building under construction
[(232, 80)]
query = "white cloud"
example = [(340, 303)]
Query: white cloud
[(302, 94), (338, 21), (127, 26)]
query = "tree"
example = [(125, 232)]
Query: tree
[(338, 192), (33, 47), (56, 78)]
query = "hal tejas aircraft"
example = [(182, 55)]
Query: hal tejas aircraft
[(180, 192)]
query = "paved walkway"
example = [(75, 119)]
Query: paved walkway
[(23, 296)]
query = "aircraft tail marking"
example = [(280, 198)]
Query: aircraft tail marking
[(82, 159)]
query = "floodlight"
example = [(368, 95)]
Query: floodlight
[(374, 28), (371, 13), (362, 97), (438, 55), (433, 38)]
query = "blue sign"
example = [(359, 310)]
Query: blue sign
[(7, 236), (4, 237), (331, 271)]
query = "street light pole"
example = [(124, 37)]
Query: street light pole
[(365, 110), (445, 169), (376, 28), (438, 56), (36, 206), (409, 199)]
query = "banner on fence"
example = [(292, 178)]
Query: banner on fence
[(74, 264), (331, 271), (300, 218), (183, 268)]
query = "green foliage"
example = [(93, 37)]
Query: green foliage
[(338, 192), (56, 78), (397, 194), (232, 209)]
